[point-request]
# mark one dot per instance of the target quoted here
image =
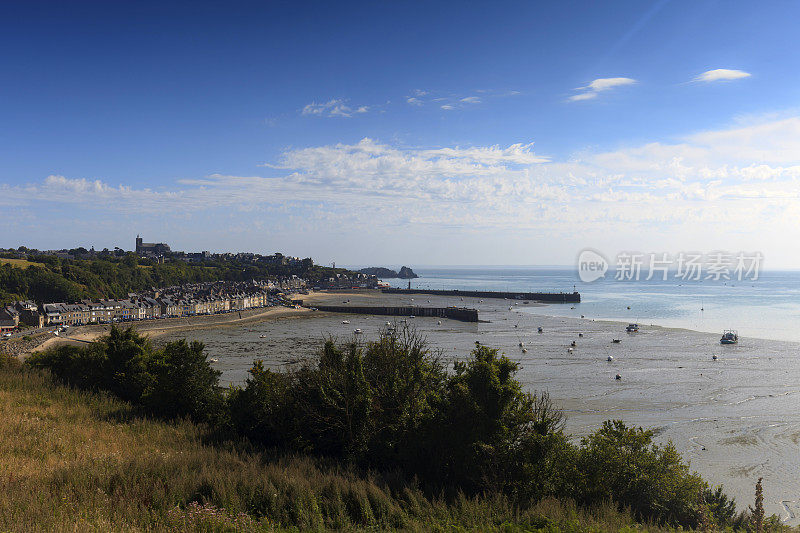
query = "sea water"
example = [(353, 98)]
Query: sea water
[(767, 307)]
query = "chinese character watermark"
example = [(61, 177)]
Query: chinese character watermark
[(686, 266)]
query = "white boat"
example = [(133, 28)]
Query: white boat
[(358, 331), (345, 321)]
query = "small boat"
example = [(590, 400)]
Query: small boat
[(524, 350), (573, 307), (580, 334), (729, 336), (713, 357), (618, 377), (610, 358), (521, 345), (629, 307), (569, 350), (438, 322), (526, 302), (510, 308), (632, 328), (358, 331), (345, 321), (616, 341), (574, 344), (212, 360), (388, 323), (541, 330)]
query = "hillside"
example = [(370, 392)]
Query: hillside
[(48, 278), (80, 461)]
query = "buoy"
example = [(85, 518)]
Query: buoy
[(618, 377), (583, 316), (629, 307), (610, 358)]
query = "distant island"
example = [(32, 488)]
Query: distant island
[(387, 273)]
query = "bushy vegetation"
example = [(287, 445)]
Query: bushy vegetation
[(461, 437)]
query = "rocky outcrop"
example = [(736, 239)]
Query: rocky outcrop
[(406, 273), (387, 273)]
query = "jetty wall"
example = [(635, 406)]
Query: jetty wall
[(549, 297), (456, 313)]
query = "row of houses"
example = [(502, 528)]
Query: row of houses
[(148, 308)]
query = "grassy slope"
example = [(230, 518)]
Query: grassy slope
[(72, 461), (19, 263)]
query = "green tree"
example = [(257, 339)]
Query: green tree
[(183, 383)]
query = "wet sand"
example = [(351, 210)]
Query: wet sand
[(734, 419)]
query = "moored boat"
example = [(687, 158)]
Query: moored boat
[(729, 336)]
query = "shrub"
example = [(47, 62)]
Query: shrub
[(622, 464)]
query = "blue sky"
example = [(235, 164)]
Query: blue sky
[(403, 132)]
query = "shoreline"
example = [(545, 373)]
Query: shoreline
[(82, 335)]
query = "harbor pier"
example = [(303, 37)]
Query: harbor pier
[(546, 297)]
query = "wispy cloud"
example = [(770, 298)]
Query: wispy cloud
[(455, 101), (335, 107), (722, 74), (599, 85)]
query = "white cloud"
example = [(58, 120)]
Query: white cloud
[(448, 107), (706, 179), (471, 100), (335, 107), (722, 74), (599, 85)]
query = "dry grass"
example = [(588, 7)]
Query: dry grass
[(19, 263), (75, 461)]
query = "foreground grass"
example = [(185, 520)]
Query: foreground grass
[(76, 461)]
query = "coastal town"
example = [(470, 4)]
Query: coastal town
[(172, 302), (175, 301)]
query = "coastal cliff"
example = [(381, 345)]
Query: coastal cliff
[(387, 273)]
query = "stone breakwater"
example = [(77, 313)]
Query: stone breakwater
[(455, 313)]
